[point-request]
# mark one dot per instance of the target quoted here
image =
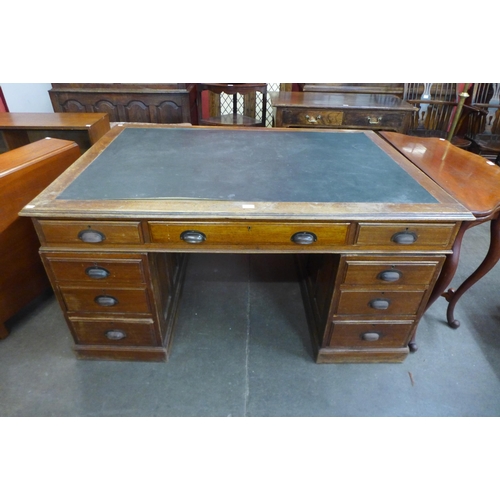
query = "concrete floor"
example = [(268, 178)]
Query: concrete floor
[(242, 348)]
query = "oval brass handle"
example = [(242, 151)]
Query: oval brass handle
[(379, 303), (304, 238), (370, 336), (106, 300), (97, 273), (311, 119), (195, 237), (374, 121), (390, 275), (404, 238), (91, 236), (115, 334)]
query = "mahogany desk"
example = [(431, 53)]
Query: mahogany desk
[(357, 111), (369, 229), (473, 181), (85, 129)]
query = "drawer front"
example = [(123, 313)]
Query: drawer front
[(107, 301), (132, 332), (370, 334), (390, 273), (408, 236), (91, 233), (252, 235), (313, 117), (103, 269), (379, 303), (374, 119)]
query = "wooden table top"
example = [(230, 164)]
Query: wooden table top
[(275, 174), (471, 179), (44, 121), (324, 100)]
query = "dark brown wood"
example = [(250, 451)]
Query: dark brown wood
[(356, 88), (142, 247), (22, 128), (472, 180), (355, 111), (129, 102), (24, 173)]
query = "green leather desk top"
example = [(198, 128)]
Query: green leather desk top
[(205, 164)]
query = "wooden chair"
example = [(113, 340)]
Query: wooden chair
[(234, 115), (437, 104), (483, 126)]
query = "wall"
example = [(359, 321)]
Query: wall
[(27, 97)]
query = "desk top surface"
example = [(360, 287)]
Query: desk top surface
[(240, 172), (49, 120), (324, 100)]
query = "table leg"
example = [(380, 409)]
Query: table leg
[(492, 257)]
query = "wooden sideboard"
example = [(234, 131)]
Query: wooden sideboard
[(348, 111), (24, 173), (129, 102)]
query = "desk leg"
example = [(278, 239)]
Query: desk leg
[(4, 333), (492, 257)]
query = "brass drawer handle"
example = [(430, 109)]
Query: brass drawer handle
[(312, 120), (194, 237), (379, 304), (115, 334), (390, 275), (374, 121), (404, 238), (304, 238), (91, 236), (97, 273), (370, 336), (106, 300)]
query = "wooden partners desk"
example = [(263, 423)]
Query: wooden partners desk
[(19, 129), (357, 111), (24, 173), (370, 232), (473, 181)]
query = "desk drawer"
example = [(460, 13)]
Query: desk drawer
[(370, 334), (248, 235), (132, 332), (104, 269), (107, 301), (313, 118), (379, 302), (406, 235), (374, 119), (91, 233), (390, 272)]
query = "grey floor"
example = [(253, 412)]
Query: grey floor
[(242, 348)]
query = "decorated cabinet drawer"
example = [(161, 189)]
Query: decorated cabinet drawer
[(91, 268), (411, 236), (90, 233), (370, 334), (313, 117), (390, 271), (257, 235), (379, 302), (132, 332), (378, 119), (105, 300)]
